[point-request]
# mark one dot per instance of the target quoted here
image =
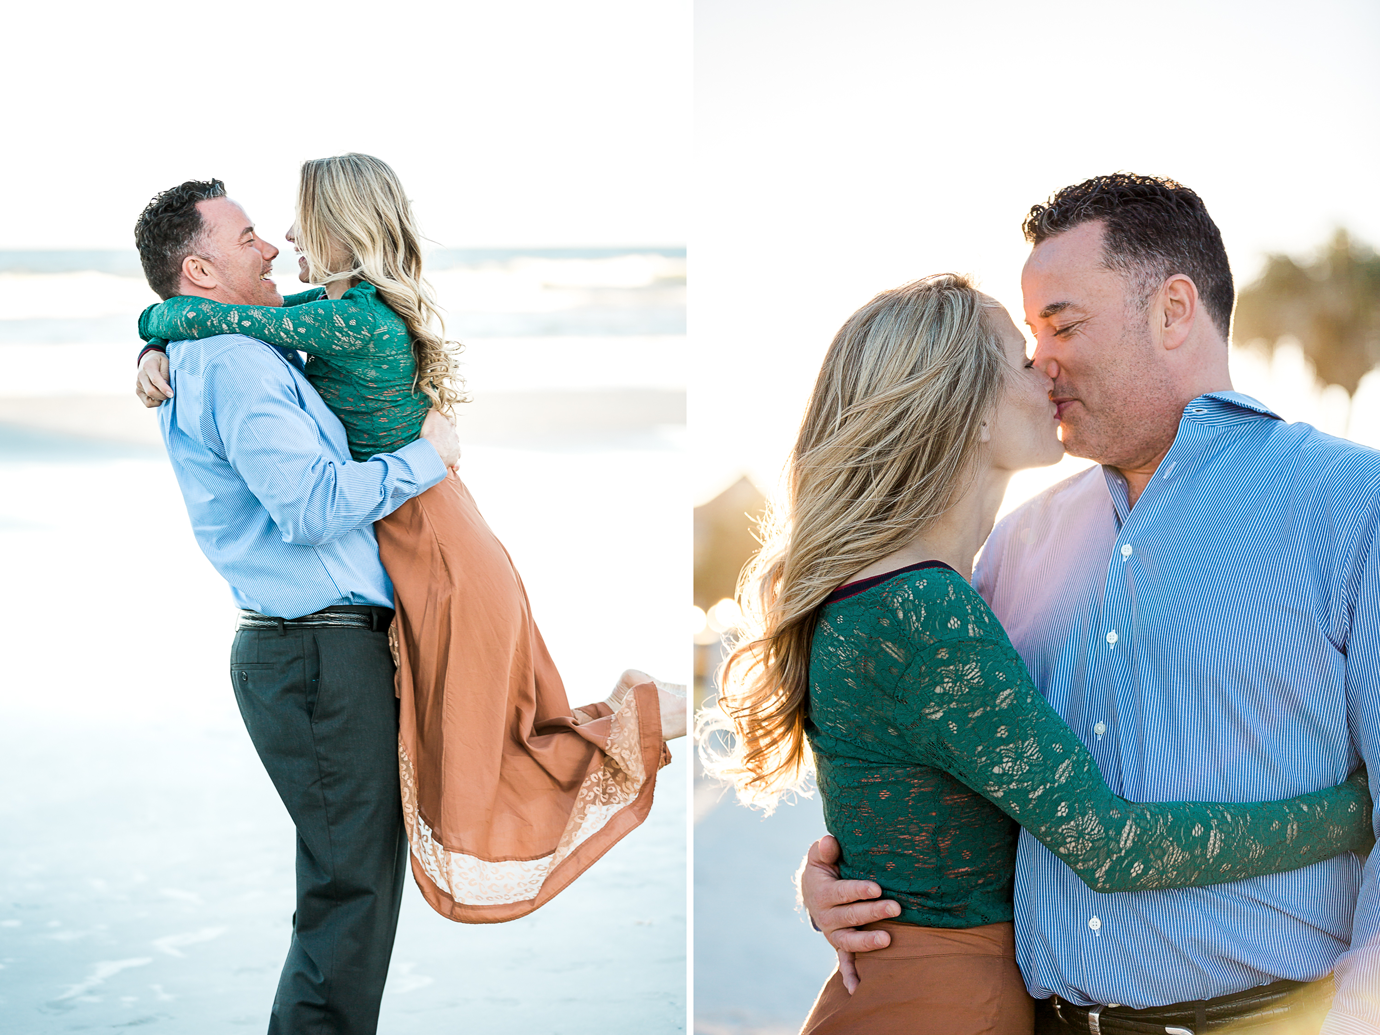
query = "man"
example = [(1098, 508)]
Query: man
[(284, 514), (1204, 611)]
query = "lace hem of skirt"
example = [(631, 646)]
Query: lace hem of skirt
[(470, 880)]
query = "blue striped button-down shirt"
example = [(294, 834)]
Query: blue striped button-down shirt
[(276, 503), (1218, 642)]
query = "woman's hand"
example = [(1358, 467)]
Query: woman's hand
[(440, 432), (152, 386)]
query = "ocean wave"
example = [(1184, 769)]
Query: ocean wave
[(483, 293)]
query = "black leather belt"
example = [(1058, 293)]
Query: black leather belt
[(1254, 1006), (342, 616)]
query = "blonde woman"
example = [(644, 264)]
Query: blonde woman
[(508, 792), (928, 740)]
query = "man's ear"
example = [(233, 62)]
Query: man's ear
[(1179, 305), (199, 273)]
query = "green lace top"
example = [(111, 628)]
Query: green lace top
[(931, 744), (359, 355)]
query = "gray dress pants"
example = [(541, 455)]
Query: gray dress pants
[(320, 708)]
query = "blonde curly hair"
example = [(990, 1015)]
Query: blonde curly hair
[(356, 203)]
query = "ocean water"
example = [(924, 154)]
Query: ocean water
[(485, 292), (529, 320)]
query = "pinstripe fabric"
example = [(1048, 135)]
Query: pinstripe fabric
[(276, 503), (1220, 642)]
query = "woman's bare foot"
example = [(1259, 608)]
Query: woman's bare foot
[(673, 698), (630, 678)]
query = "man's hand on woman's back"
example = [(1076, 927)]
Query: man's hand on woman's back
[(838, 907)]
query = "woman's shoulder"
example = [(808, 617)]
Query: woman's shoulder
[(366, 296), (928, 603)]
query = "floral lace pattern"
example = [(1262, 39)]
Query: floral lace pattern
[(470, 880), (359, 355), (932, 743)]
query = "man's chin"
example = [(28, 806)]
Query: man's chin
[(1076, 445)]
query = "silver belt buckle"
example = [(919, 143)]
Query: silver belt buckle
[(1178, 1031), (1095, 1021)]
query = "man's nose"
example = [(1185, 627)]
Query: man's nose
[(1042, 360), (269, 252)]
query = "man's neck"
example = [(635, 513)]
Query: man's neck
[(215, 295), (1138, 473), (219, 294)]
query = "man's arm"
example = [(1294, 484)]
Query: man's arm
[(1356, 1008), (276, 447), (838, 907)]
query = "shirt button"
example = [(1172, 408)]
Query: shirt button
[(1095, 924), (1111, 638), (1126, 550), (1100, 728)]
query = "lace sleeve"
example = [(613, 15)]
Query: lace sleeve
[(973, 703), (320, 328)]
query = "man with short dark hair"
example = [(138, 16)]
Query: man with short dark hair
[(170, 229), (1203, 609), (286, 516)]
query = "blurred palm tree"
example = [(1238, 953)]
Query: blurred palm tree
[(1331, 305)]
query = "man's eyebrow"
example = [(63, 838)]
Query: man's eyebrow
[(247, 230), (1056, 307)]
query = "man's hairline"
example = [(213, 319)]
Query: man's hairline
[(1136, 296)]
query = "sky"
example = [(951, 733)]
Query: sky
[(522, 123), (843, 149)]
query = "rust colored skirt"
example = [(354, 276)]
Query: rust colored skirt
[(950, 981), (508, 795)]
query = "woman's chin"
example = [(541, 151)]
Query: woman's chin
[(1043, 458)]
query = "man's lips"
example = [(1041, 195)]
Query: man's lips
[(1061, 405)]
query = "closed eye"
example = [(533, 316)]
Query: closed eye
[(1067, 329)]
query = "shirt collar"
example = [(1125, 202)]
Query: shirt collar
[(1210, 411), (1217, 407)]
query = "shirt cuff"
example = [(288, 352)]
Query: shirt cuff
[(425, 462), (151, 347)]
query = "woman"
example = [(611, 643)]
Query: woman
[(508, 792), (930, 742)]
